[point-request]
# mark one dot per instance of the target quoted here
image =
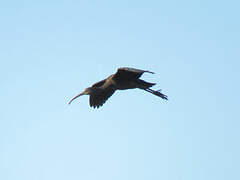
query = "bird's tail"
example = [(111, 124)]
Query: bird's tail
[(145, 84), (157, 93)]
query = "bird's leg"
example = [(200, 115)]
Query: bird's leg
[(157, 93)]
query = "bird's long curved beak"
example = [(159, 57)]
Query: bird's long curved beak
[(76, 97)]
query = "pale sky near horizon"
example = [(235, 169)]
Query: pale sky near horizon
[(52, 50)]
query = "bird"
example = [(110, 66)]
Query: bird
[(125, 78)]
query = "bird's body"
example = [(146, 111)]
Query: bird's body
[(124, 78)]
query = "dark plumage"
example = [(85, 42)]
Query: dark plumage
[(124, 78)]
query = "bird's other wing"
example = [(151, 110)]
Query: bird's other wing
[(100, 83), (129, 73), (100, 96)]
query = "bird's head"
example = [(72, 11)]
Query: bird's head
[(87, 91)]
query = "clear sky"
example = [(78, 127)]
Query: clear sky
[(52, 50)]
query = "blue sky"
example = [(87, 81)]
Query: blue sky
[(50, 51)]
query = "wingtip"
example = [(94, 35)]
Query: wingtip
[(150, 72)]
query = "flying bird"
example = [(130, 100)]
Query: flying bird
[(124, 78)]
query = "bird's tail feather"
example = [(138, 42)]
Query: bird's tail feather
[(145, 84), (157, 93)]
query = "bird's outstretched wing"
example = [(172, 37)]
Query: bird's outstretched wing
[(100, 83), (129, 73), (100, 96)]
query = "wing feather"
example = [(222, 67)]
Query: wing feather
[(100, 83), (99, 97), (129, 73)]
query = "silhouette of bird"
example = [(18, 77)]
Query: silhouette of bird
[(124, 78)]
